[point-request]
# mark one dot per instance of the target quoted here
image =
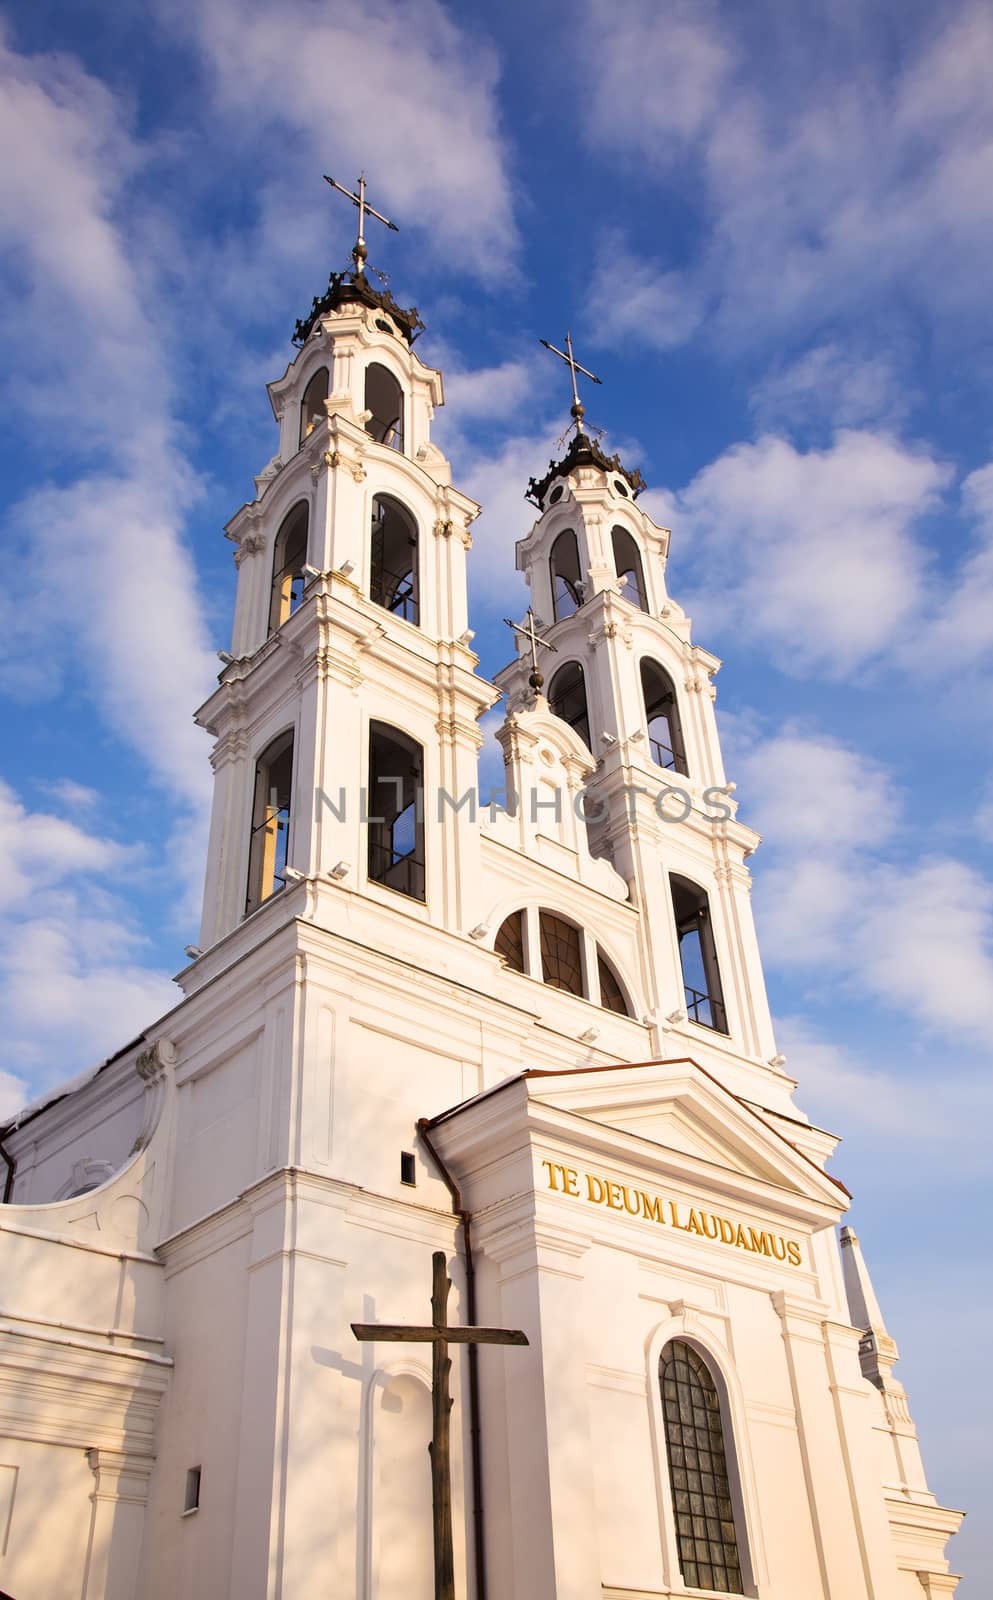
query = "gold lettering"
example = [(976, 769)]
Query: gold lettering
[(632, 1210), (595, 1189), (793, 1251), (569, 1180), (706, 1230), (673, 1212), (693, 1226), (651, 1209), (553, 1168), (727, 1232), (741, 1238), (761, 1242), (779, 1249), (614, 1196)]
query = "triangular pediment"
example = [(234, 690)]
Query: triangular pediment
[(684, 1111)]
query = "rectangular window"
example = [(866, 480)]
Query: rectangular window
[(408, 1169), (192, 1491)]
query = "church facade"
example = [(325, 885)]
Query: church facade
[(528, 1029)]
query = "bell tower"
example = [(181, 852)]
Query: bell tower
[(620, 666), (349, 692)]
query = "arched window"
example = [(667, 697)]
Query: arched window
[(312, 405), (270, 821), (561, 960), (665, 734), (627, 564), (288, 558), (384, 398), (567, 698), (563, 565), (698, 954), (611, 993), (396, 811), (509, 941), (393, 579), (698, 1472)]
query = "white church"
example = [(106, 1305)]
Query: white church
[(528, 1030)]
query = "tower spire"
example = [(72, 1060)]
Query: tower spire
[(360, 253), (577, 410)]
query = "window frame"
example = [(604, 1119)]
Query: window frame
[(394, 502), (251, 891), (687, 1325), (677, 748), (709, 956)]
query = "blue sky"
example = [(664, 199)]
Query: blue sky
[(769, 229)]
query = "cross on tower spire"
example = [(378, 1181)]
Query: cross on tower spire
[(535, 679), (359, 251), (568, 357)]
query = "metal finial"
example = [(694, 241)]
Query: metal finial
[(535, 644), (360, 254), (577, 410)]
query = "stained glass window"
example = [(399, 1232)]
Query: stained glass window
[(698, 1475), (561, 963), (509, 941)]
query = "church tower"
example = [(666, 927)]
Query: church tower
[(530, 1034)]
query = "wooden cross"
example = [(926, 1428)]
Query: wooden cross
[(439, 1335), (577, 411), (359, 251), (535, 643)]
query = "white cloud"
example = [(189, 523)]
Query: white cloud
[(395, 89), (73, 984), (810, 552), (74, 796), (631, 298), (880, 1097), (831, 382), (959, 626), (497, 480), (115, 595), (917, 938), (818, 198), (488, 392)]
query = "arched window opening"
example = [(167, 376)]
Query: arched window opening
[(627, 564), (288, 558), (698, 954), (312, 405), (698, 1472), (384, 398), (509, 942), (665, 733), (393, 581), (567, 699), (270, 821), (396, 811), (561, 960), (611, 993), (567, 587)]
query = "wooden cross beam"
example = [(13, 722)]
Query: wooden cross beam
[(439, 1335)]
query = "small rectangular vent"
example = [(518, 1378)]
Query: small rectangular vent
[(408, 1169), (192, 1491)]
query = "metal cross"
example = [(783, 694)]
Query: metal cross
[(359, 251), (535, 643), (567, 356), (439, 1335)]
